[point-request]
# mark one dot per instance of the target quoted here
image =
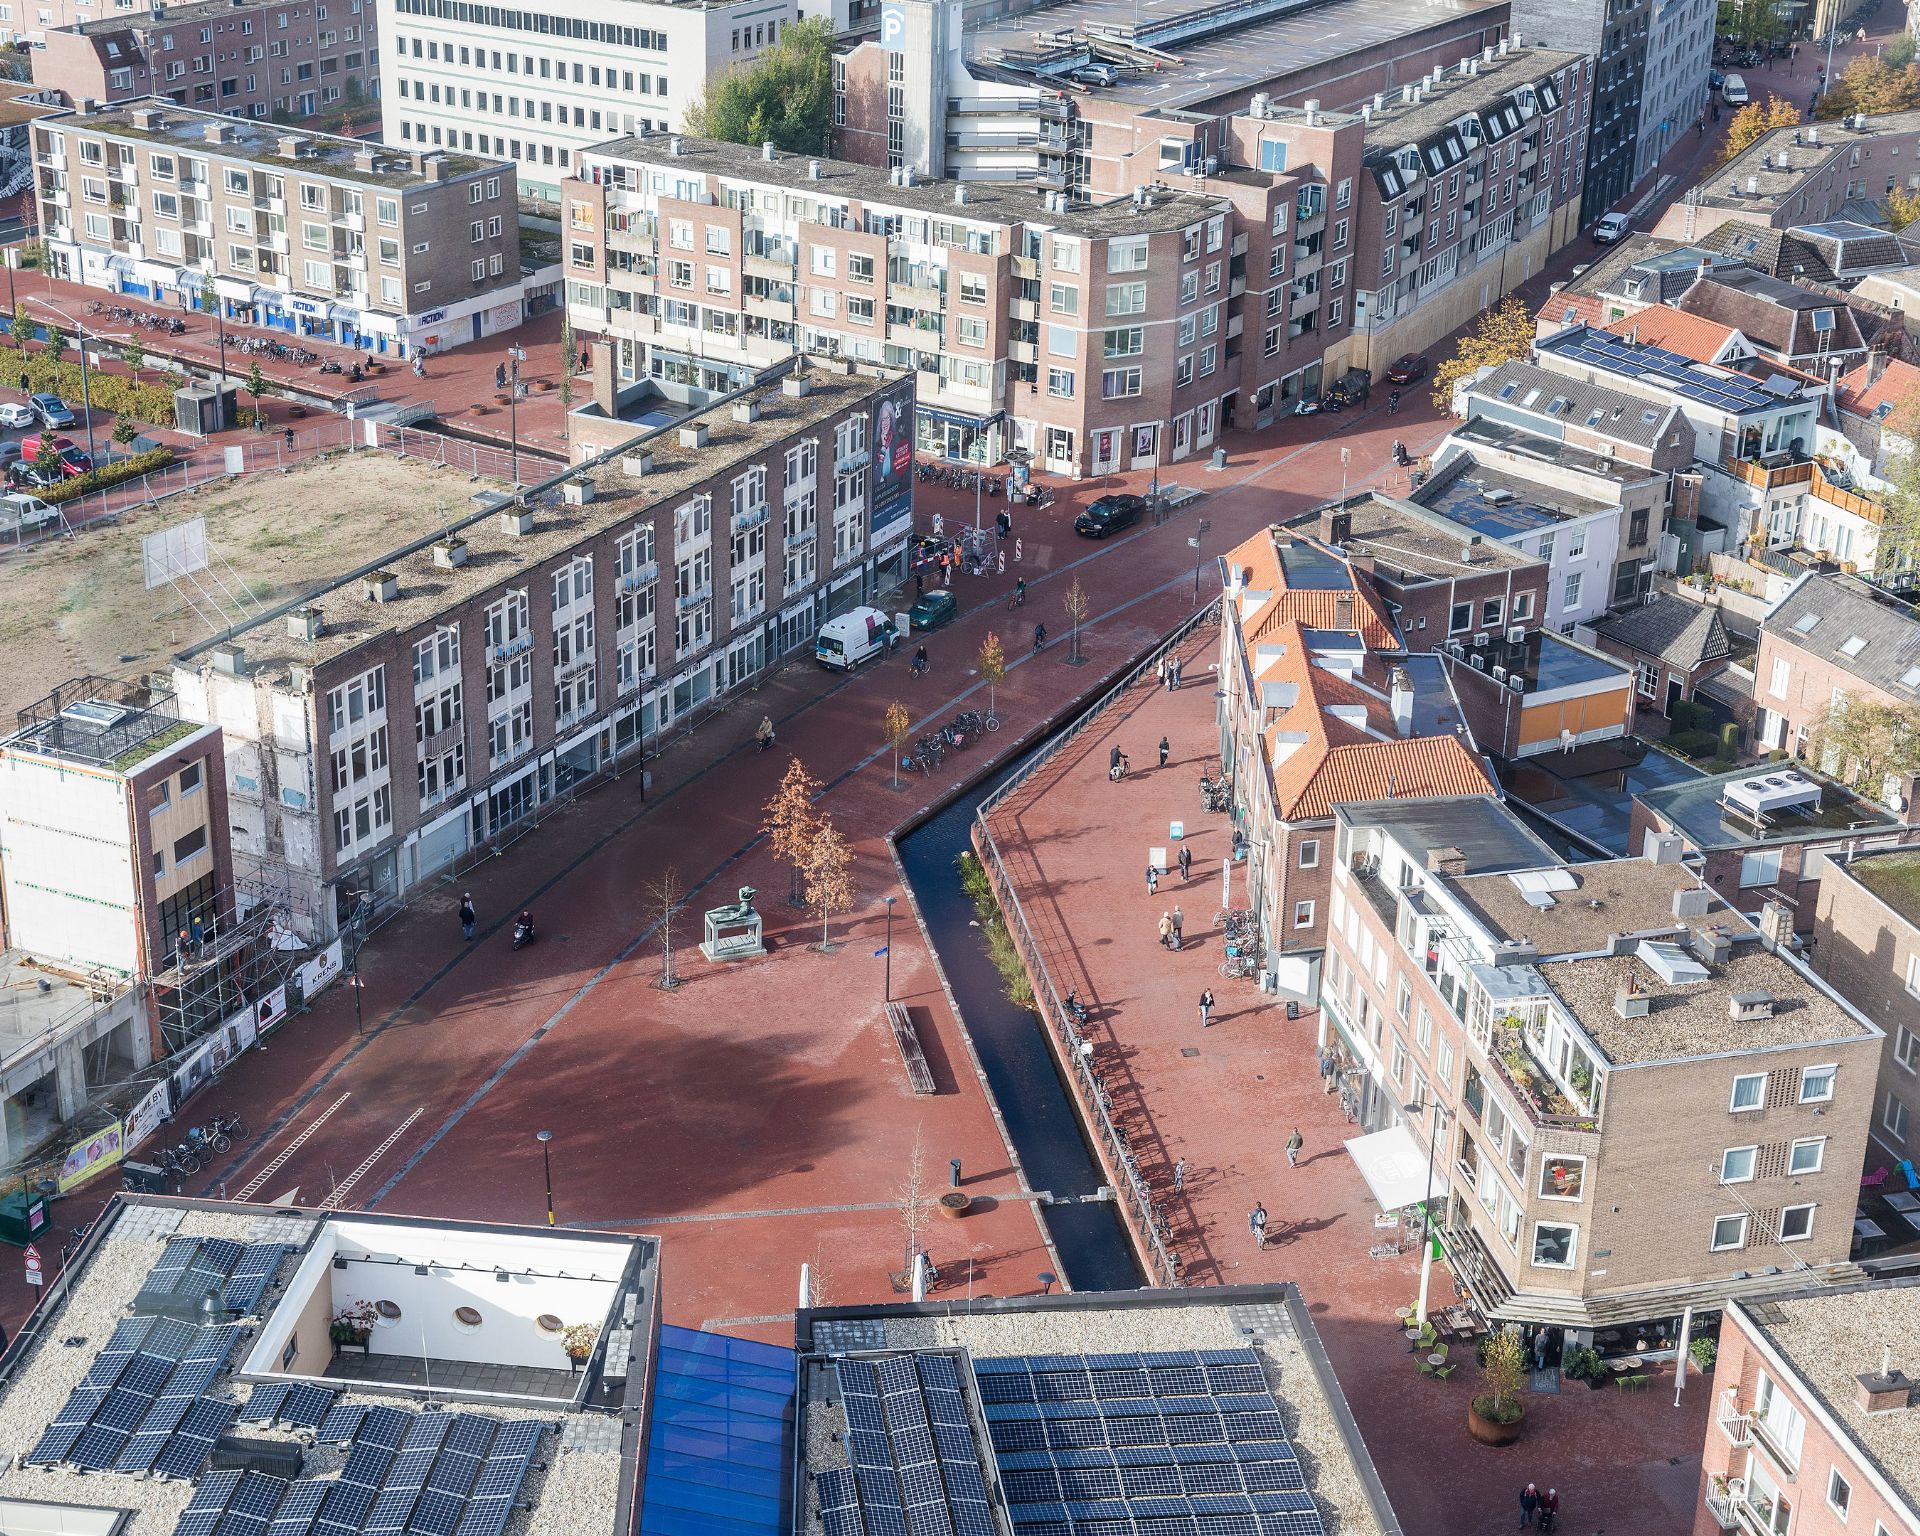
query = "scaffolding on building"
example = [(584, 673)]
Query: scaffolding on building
[(248, 949)]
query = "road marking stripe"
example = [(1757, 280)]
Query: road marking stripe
[(332, 1202), (252, 1186)]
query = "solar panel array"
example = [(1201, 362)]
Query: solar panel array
[(406, 1474), (1187, 1443), (141, 1406), (1682, 375), (189, 1267), (915, 1468)]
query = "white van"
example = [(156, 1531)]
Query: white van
[(1733, 91), (844, 642), (21, 513)]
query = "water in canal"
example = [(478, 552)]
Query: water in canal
[(1039, 1112)]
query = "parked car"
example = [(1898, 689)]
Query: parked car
[(1095, 74), (932, 609), (32, 476), (73, 458), (14, 414), (1715, 80), (1410, 369), (51, 411), (1612, 227), (20, 513), (1108, 515), (1733, 91), (9, 454)]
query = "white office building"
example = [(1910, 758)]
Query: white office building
[(539, 85)]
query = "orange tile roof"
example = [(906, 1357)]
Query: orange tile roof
[(1588, 309), (1381, 770), (1314, 608), (1692, 336), (1896, 384)]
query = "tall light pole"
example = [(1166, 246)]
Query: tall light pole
[(1200, 530), (210, 299), (888, 951), (545, 1139), (81, 334), (516, 355), (1426, 1218)]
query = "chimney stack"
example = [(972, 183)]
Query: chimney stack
[(1447, 861)]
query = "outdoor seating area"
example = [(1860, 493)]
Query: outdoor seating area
[(1887, 1219), (1435, 1340)]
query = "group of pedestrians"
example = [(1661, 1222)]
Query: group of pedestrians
[(1545, 1507), (1170, 925), (1167, 670)]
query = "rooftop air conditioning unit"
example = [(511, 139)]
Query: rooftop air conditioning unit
[(1480, 661)]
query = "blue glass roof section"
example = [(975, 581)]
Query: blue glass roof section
[(1311, 569), (720, 1437)]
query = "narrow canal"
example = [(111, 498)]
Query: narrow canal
[(1039, 1111)]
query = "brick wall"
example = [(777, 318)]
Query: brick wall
[(1865, 949)]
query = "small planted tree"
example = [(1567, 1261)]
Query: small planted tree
[(916, 1200), (993, 669), (124, 431), (209, 297), (56, 342), (567, 358), (1076, 604), (22, 325), (665, 897), (898, 726), (134, 355), (829, 874), (47, 458), (1503, 1372), (789, 824)]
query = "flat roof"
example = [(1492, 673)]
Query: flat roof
[(1893, 876), (1260, 52), (1684, 1022), (987, 202), (1408, 543), (1127, 1334), (1485, 499), (1831, 1339), (1595, 901), (1484, 831), (1724, 389), (1485, 432), (128, 1316), (1693, 808), (261, 142), (1544, 660), (495, 556)]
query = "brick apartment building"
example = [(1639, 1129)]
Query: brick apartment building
[(335, 238), (1096, 335), (530, 649), (1866, 942), (1319, 703), (1643, 1104), (1814, 1418), (1828, 640), (258, 58)]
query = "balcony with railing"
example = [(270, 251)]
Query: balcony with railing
[(1733, 1422)]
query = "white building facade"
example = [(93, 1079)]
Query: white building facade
[(537, 86)]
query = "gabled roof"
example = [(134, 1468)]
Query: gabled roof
[(1681, 633), (1775, 315), (1694, 336), (1348, 602), (1621, 415), (1837, 619), (1777, 252), (1861, 395)]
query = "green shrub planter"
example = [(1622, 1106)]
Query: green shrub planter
[(116, 473)]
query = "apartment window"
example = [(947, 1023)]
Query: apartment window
[(187, 847), (1729, 1232), (1762, 868), (1060, 383), (1126, 298), (1310, 853), (1816, 1084), (1906, 1044), (1779, 1419), (1572, 593), (1748, 1091), (1562, 1177), (1777, 684), (190, 777), (1119, 383), (972, 331), (973, 290), (1554, 1243), (162, 796), (1647, 679), (1303, 914), (1893, 1115), (1807, 1155), (1126, 254), (1796, 1223), (1064, 299), (1736, 1164), (1839, 1493), (1459, 618)]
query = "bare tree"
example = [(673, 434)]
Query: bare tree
[(822, 1277), (898, 726), (665, 897), (1076, 603), (916, 1198), (829, 872)]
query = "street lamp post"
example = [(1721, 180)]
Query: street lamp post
[(888, 951), (82, 334), (1426, 1216), (1200, 530), (545, 1139), (516, 355)]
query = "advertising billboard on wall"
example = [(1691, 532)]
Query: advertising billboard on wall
[(893, 28), (891, 494)]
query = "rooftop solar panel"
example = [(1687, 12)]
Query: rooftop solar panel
[(297, 1510), (485, 1517), (426, 1431), (143, 1450), (97, 1448), (192, 1443), (410, 1469), (470, 1434), (264, 1402), (307, 1405), (388, 1517), (52, 1447), (367, 1465), (436, 1514), (342, 1420), (383, 1426), (251, 1275)]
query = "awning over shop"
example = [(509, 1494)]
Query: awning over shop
[(1395, 1167), (960, 418), (232, 288)]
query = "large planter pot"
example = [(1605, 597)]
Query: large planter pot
[(954, 1205), (1491, 1431)]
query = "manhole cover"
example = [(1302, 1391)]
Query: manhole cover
[(1189, 1050)]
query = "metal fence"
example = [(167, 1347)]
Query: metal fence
[(1134, 1194)]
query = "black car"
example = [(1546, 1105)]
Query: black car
[(26, 472), (1108, 515)]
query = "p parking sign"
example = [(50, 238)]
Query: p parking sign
[(893, 27)]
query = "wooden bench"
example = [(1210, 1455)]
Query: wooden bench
[(919, 1074)]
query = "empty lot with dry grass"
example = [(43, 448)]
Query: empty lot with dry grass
[(80, 605)]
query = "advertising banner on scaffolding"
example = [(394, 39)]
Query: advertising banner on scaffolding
[(146, 1116), (84, 1159), (270, 1011), (320, 970)]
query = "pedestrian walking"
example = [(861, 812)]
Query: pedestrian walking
[(469, 919), (1529, 1502), (1173, 675), (1540, 1349), (1164, 750), (1166, 930), (1186, 863), (1326, 1071), (1153, 880), (920, 661), (1257, 1225), (1206, 1007), (1294, 1143), (1180, 1176), (419, 367), (1178, 921), (500, 376), (1549, 1509)]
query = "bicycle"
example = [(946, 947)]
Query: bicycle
[(1239, 967), (1019, 598)]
